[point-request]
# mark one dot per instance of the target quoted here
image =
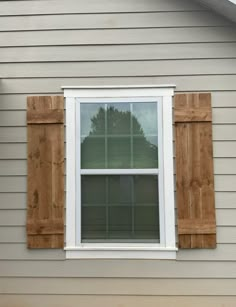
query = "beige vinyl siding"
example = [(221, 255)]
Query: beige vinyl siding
[(111, 286), (11, 8), (113, 53), (53, 85), (118, 36), (119, 69), (114, 21), (118, 268), (117, 300), (47, 44)]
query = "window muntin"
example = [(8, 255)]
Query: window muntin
[(119, 135)]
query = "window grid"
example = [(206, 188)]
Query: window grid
[(129, 171)]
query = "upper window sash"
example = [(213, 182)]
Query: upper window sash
[(134, 104)]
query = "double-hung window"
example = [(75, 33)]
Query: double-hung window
[(120, 200)]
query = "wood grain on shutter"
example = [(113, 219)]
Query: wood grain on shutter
[(45, 208), (194, 171)]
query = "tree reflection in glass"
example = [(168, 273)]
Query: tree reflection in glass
[(119, 135)]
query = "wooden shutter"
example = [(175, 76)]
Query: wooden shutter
[(45, 208), (194, 171)]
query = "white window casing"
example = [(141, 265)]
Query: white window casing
[(166, 249)]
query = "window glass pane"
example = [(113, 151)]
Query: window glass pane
[(92, 119), (119, 149), (119, 135), (94, 222), (94, 206), (120, 208), (145, 118), (145, 152), (92, 135), (93, 152), (118, 118)]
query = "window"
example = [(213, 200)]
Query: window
[(120, 200)]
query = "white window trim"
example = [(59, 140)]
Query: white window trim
[(166, 250)]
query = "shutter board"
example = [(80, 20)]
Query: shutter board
[(46, 117), (194, 171), (196, 226), (192, 115), (47, 227), (45, 198)]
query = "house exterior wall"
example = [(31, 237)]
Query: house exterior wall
[(47, 44)]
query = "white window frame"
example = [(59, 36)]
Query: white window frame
[(166, 249)]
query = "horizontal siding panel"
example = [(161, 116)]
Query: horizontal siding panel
[(13, 184), (21, 252), (225, 183), (12, 118), (225, 252), (225, 199), (13, 102), (118, 36), (13, 234), (12, 134), (17, 251), (223, 100), (226, 217), (114, 21), (13, 151), (119, 69), (225, 166), (18, 101), (224, 149), (226, 235), (91, 6), (16, 234), (223, 115), (118, 268), (114, 286), (112, 300), (117, 53), (13, 201), (13, 218), (107, 301), (53, 85), (13, 167), (224, 132)]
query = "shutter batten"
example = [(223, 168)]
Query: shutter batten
[(45, 198), (47, 117), (194, 171)]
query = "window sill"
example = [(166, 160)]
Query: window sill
[(118, 252)]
